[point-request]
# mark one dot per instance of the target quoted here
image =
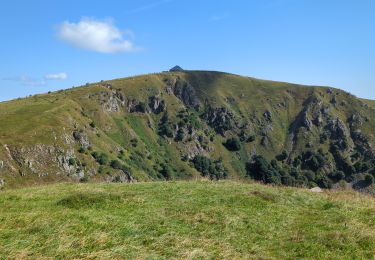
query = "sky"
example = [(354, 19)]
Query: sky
[(48, 45)]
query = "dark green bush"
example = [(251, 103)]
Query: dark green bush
[(72, 161), (233, 144), (101, 158), (369, 179), (208, 168), (115, 164)]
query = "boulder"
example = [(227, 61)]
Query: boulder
[(316, 190)]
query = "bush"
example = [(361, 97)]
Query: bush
[(233, 144), (101, 158), (141, 107), (84, 179), (115, 164), (260, 169), (336, 176), (164, 127), (180, 135), (251, 138), (72, 161), (369, 179), (282, 156), (82, 150), (324, 182), (166, 171), (134, 142), (92, 124), (208, 168)]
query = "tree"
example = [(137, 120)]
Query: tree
[(233, 144), (166, 171), (260, 169), (164, 128)]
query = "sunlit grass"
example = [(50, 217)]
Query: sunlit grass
[(184, 220)]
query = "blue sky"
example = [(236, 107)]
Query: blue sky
[(49, 44)]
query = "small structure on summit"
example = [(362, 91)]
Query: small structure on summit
[(176, 68)]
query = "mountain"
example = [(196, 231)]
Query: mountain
[(187, 125)]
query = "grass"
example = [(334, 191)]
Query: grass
[(184, 220)]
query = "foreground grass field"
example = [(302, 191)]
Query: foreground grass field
[(184, 220)]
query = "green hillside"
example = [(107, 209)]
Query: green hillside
[(184, 220), (188, 125)]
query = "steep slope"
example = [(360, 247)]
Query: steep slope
[(188, 124)]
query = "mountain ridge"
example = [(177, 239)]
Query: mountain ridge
[(188, 124)]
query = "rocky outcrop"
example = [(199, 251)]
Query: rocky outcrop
[(156, 104), (82, 139), (112, 101), (220, 119), (183, 91)]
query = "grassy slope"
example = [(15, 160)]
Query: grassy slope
[(184, 220), (42, 118)]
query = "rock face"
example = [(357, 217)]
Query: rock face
[(184, 91), (156, 104)]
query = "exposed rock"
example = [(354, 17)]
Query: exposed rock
[(268, 115), (82, 138), (1, 165), (2, 183), (316, 190), (185, 92), (113, 102), (306, 121), (265, 141), (122, 177), (221, 119), (156, 104)]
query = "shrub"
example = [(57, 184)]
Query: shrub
[(282, 156), (92, 124), (251, 138), (336, 176), (101, 158), (72, 161), (141, 107), (208, 168), (82, 150), (166, 171), (324, 182), (233, 144), (134, 142), (369, 179), (260, 169), (180, 135), (115, 164)]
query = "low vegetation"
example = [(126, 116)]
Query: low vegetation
[(209, 220)]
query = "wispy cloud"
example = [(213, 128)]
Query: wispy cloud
[(56, 76), (149, 6), (26, 80), (96, 35), (35, 82)]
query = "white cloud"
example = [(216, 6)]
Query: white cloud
[(26, 80), (56, 76), (35, 82), (95, 35)]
